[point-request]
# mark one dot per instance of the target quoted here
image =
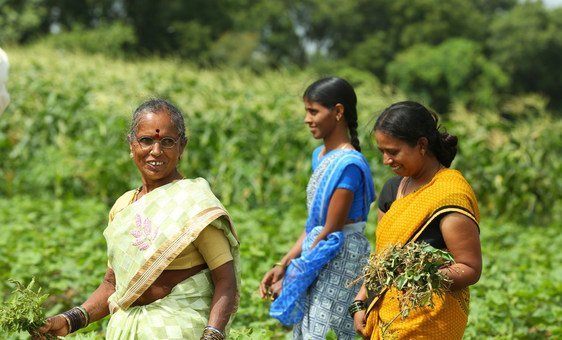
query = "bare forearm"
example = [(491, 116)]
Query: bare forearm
[(223, 306), (362, 294), (338, 209), (224, 301), (97, 305), (295, 250), (461, 275), (327, 230)]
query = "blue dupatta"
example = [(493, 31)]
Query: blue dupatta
[(289, 307)]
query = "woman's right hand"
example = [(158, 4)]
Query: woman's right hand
[(55, 325), (270, 278), (359, 323)]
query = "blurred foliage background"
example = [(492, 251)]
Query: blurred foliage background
[(237, 69), (477, 52)]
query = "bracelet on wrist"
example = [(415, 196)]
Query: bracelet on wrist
[(284, 266), (356, 306), (212, 333), (76, 318)]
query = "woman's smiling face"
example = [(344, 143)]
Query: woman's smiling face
[(157, 165), (403, 159), (320, 120)]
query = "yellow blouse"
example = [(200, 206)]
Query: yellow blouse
[(210, 247)]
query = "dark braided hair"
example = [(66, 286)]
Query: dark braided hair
[(409, 121), (332, 91)]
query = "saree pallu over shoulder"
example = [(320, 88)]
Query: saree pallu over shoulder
[(325, 179), (447, 192), (146, 236), (408, 216)]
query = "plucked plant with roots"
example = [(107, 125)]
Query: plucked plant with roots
[(412, 269), (23, 312)]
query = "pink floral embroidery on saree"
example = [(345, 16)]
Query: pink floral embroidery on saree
[(144, 233)]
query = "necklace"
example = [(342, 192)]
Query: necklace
[(345, 146)]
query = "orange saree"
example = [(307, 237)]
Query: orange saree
[(408, 216)]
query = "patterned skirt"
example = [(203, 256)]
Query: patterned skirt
[(329, 297)]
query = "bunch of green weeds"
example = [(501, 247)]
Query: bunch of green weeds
[(22, 312), (412, 269)]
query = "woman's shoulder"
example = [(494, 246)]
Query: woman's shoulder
[(195, 182), (121, 203), (453, 186), (453, 179), (194, 185), (125, 198), (197, 189)]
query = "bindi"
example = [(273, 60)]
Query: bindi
[(157, 134)]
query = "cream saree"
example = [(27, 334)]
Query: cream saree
[(408, 216), (142, 240)]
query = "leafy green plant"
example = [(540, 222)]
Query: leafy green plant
[(413, 270), (67, 161), (23, 310)]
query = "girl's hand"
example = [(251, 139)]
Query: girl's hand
[(273, 276), (275, 289)]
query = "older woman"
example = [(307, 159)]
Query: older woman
[(427, 202), (172, 250)]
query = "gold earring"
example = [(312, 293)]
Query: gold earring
[(131, 154), (423, 152), (338, 118)]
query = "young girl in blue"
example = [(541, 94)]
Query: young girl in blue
[(310, 285)]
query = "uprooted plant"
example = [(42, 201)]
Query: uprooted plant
[(22, 312), (412, 269)]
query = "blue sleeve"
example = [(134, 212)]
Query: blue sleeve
[(351, 178)]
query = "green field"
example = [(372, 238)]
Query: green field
[(66, 161)]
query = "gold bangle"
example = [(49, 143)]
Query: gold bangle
[(280, 265)]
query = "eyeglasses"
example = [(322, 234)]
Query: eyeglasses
[(166, 142)]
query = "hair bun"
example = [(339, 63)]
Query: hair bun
[(449, 140)]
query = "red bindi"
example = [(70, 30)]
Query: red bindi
[(157, 135)]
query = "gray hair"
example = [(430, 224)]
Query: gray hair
[(153, 106)]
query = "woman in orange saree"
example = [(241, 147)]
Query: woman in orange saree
[(426, 202)]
